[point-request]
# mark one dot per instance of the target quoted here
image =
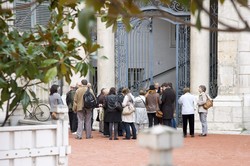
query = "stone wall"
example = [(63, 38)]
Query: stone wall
[(231, 107)]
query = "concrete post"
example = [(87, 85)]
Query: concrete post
[(160, 140)]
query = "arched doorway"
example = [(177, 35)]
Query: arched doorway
[(156, 50)]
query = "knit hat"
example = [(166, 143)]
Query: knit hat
[(151, 87)]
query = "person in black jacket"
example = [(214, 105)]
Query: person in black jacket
[(100, 116), (121, 128), (111, 114), (73, 121), (168, 104)]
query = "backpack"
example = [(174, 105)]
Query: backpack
[(89, 100), (70, 98)]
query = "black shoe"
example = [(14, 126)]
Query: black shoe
[(78, 137), (133, 137), (192, 135), (110, 138), (203, 135), (184, 136), (116, 138), (126, 138), (89, 137)]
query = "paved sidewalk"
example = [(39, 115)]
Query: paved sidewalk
[(213, 150)]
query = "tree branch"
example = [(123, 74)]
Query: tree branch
[(239, 15)]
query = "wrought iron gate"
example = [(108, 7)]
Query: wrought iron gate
[(182, 64), (134, 59), (133, 55)]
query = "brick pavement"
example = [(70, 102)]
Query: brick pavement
[(213, 150)]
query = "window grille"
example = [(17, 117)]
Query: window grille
[(213, 85)]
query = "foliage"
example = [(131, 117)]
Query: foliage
[(37, 56), (43, 53)]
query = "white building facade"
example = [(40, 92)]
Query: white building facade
[(231, 111)]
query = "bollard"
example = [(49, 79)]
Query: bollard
[(160, 140)]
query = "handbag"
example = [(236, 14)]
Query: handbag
[(159, 114), (208, 104), (128, 110), (118, 106)]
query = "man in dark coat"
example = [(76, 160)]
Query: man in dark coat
[(121, 128), (73, 121), (111, 114), (168, 104)]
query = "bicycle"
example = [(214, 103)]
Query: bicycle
[(40, 111)]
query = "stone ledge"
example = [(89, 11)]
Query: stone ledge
[(232, 101)]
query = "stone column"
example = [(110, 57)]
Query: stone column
[(105, 67), (199, 57)]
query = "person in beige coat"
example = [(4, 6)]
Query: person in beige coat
[(202, 111), (128, 120), (83, 114)]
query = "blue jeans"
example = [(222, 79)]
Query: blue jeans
[(127, 129), (173, 123), (203, 119)]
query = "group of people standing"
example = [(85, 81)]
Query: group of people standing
[(189, 104), (113, 123), (145, 104)]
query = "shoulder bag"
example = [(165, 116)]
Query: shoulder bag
[(208, 104), (129, 109), (159, 113)]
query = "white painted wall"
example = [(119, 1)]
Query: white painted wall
[(164, 54)]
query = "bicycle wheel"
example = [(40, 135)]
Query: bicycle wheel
[(42, 112)]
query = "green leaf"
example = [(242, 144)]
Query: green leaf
[(103, 57), (91, 69), (63, 69), (222, 1), (32, 93), (62, 45), (21, 48), (3, 83), (49, 62), (79, 66), (193, 7), (67, 2), (243, 2), (97, 4), (198, 21), (20, 70), (85, 69), (131, 7), (86, 22), (51, 73), (5, 94), (67, 78), (94, 48), (25, 100), (126, 22), (15, 101)]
